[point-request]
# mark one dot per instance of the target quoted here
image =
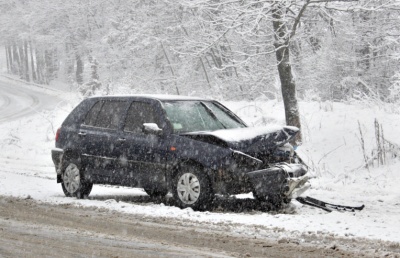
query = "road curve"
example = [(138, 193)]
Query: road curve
[(18, 100)]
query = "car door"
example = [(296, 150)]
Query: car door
[(143, 154), (99, 139)]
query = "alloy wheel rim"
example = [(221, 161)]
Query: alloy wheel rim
[(188, 188), (72, 178)]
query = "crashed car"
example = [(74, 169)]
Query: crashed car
[(193, 148)]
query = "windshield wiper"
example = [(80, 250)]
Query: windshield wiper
[(212, 114)]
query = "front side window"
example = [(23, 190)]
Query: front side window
[(138, 114), (191, 116)]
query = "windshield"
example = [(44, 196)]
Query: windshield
[(191, 116)]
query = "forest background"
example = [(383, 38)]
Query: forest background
[(226, 49)]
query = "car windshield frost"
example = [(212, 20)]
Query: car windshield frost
[(192, 116)]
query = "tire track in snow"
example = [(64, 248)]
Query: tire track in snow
[(28, 167), (4, 102), (19, 103), (24, 173)]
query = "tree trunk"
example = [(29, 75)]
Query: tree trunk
[(170, 67), (48, 59), (22, 72), (39, 66), (94, 65), (205, 72), (79, 70), (288, 85), (32, 62), (16, 67), (70, 64), (7, 59), (10, 58), (26, 61)]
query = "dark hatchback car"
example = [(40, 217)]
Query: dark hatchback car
[(194, 148)]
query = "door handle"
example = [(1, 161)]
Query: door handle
[(121, 140), (82, 133)]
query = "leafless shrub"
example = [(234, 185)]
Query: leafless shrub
[(382, 152)]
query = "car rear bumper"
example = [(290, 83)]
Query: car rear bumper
[(57, 155), (286, 180)]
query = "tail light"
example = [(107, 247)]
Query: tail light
[(58, 133)]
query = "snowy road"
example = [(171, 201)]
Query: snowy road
[(29, 117), (17, 102), (36, 229)]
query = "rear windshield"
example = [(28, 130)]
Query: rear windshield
[(191, 116)]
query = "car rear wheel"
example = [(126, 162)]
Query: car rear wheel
[(73, 183), (192, 188)]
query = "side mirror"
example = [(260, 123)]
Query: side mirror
[(151, 128)]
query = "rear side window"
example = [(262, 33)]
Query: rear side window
[(93, 113), (138, 114), (106, 114)]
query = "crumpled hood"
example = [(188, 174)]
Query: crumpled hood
[(248, 139)]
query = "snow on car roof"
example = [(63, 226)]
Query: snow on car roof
[(154, 96)]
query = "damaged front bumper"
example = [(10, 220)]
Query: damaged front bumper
[(282, 179)]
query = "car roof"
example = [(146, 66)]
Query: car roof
[(152, 96)]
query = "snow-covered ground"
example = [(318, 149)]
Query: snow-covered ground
[(332, 148)]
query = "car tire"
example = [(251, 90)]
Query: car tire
[(192, 188), (73, 183)]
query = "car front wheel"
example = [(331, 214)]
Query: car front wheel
[(192, 188), (73, 184)]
